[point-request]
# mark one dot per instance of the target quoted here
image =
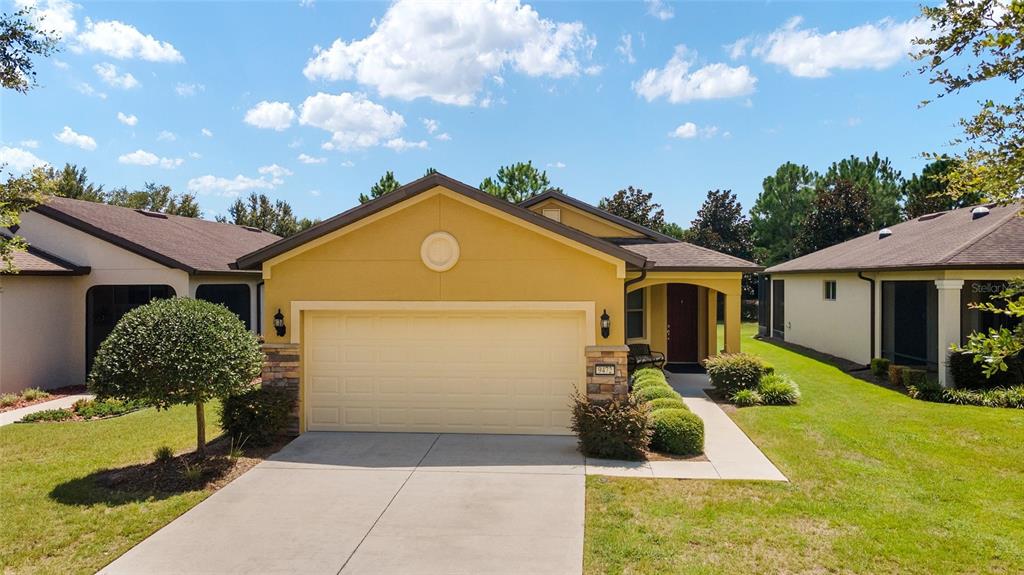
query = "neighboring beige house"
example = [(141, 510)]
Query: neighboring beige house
[(901, 293), (90, 263)]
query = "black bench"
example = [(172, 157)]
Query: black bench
[(640, 355)]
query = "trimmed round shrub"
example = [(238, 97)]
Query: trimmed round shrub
[(746, 398), (256, 416), (48, 415), (667, 403), (648, 372), (649, 393), (649, 375), (645, 383), (896, 375), (778, 389), (611, 429), (34, 393), (880, 367), (731, 372), (677, 431)]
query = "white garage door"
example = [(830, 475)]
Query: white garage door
[(443, 371)]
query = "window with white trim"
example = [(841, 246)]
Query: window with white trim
[(635, 315), (830, 290)]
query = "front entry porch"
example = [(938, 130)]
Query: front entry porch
[(677, 313)]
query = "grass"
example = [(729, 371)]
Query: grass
[(880, 483), (55, 519)]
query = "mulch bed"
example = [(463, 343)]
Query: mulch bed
[(169, 476), (657, 456), (54, 394)]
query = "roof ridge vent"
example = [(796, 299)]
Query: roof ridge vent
[(979, 212), (252, 229), (927, 217), (152, 214), (884, 233)]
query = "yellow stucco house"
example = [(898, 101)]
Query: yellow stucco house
[(440, 308)]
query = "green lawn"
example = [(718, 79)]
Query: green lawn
[(880, 483), (54, 519)]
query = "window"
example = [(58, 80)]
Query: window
[(106, 304), (235, 297), (830, 290), (553, 213), (635, 315)]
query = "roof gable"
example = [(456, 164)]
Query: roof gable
[(36, 262), (598, 214), (393, 201)]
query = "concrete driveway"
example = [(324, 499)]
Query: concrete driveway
[(386, 503)]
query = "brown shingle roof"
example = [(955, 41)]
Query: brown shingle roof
[(953, 239), (683, 256), (593, 210), (190, 244), (36, 262)]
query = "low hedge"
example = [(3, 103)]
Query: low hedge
[(969, 374), (99, 408), (1012, 397), (48, 415), (677, 431), (746, 398), (611, 429), (645, 383), (731, 372), (256, 416), (880, 367), (667, 403), (776, 389), (896, 374), (654, 392)]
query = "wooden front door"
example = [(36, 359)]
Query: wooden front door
[(682, 323)]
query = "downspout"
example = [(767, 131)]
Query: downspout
[(625, 295), (872, 282)]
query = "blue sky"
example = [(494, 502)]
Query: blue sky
[(224, 98)]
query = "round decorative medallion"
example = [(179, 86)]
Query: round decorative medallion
[(440, 251)]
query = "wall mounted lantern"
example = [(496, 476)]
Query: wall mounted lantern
[(606, 324), (279, 323)]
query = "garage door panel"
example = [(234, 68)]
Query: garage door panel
[(458, 371)]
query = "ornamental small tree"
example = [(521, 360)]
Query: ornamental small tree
[(177, 351)]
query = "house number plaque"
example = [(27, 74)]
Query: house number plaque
[(604, 369)]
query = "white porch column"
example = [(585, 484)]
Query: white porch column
[(949, 324)]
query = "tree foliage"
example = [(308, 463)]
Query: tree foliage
[(70, 181), (517, 182), (993, 348), (259, 211), (385, 185), (635, 205), (779, 212), (18, 194), (21, 40), (928, 193), (177, 351), (841, 211), (877, 177), (972, 43), (156, 198), (722, 226)]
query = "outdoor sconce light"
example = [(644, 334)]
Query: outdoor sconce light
[(606, 324), (279, 323)]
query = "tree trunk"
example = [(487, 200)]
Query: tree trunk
[(200, 429)]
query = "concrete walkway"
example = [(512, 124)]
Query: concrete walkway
[(386, 503), (9, 417), (730, 453)]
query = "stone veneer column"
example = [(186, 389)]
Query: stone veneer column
[(281, 366), (605, 387)]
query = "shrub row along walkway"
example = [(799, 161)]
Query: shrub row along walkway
[(9, 417), (730, 453)]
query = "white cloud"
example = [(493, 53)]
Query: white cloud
[(188, 90), (88, 90), (144, 158), (206, 132), (18, 160), (127, 120), (195, 155), (276, 173), (295, 143), (688, 130), (165, 136), (307, 159), (33, 144), (443, 137), (108, 73), (557, 165), (853, 121), (353, 120), (738, 49), (625, 48), (72, 138), (401, 144), (61, 65), (660, 9), (348, 164), (808, 53), (271, 115), (431, 125), (226, 187), (678, 82), (307, 3), (123, 41), (53, 16), (314, 193), (446, 50)]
